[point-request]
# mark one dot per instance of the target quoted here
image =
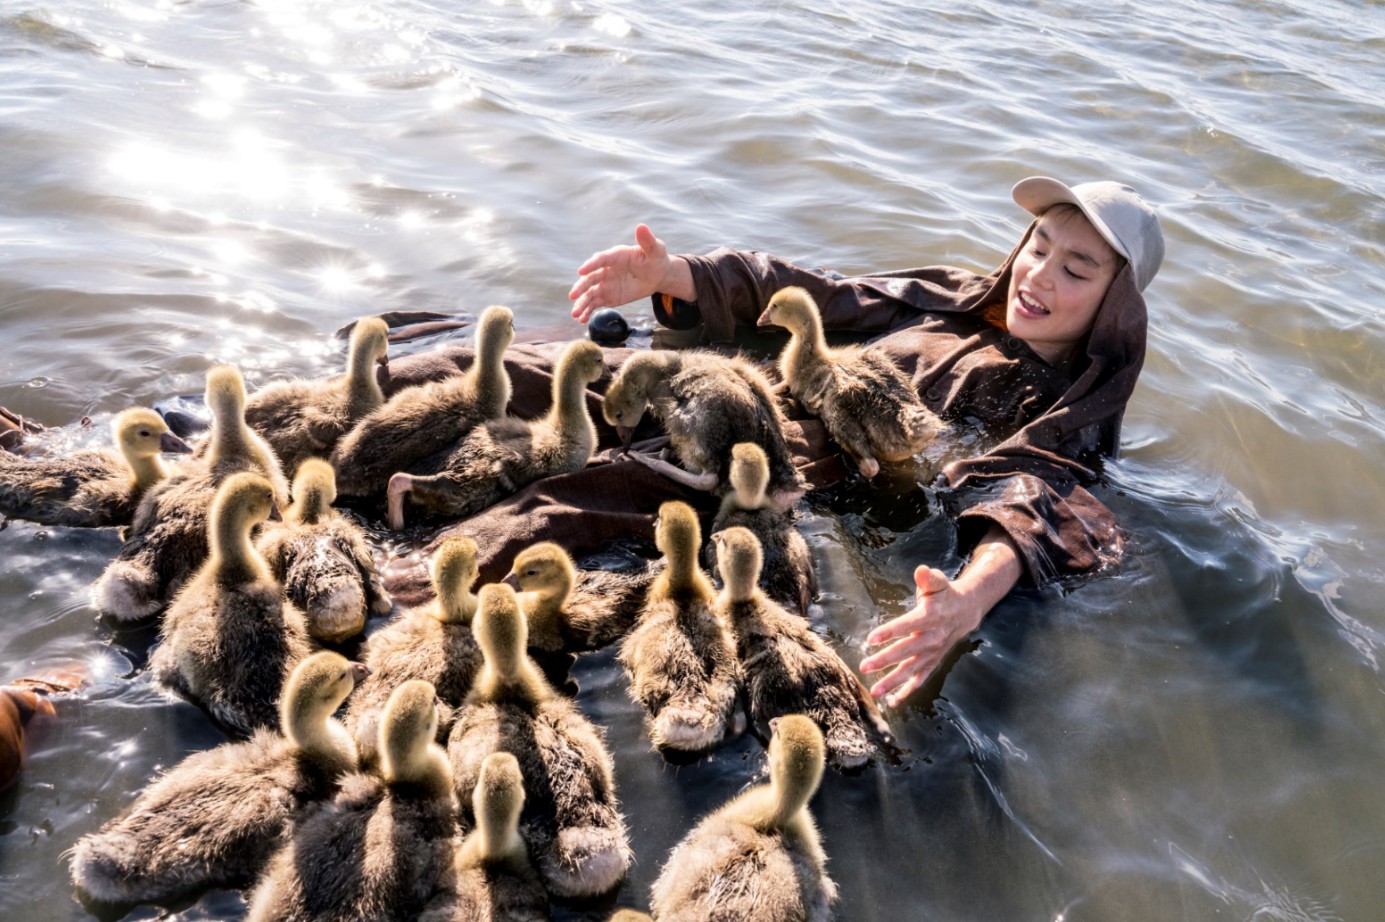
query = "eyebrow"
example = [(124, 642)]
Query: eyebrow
[(1081, 255)]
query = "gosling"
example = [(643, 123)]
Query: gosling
[(91, 489), (167, 541), (572, 611), (305, 419), (230, 638), (323, 560), (788, 575), (759, 858), (788, 669), (571, 818), (707, 403), (432, 642), (217, 816), (867, 404), (493, 878), (680, 657)]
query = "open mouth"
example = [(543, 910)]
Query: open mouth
[(1030, 307)]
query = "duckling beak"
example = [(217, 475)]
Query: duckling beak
[(764, 320), (168, 442), (274, 514), (512, 580), (358, 672), (383, 361), (627, 435)]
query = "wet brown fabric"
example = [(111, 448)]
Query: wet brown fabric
[(944, 325)]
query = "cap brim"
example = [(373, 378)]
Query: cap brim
[(1037, 194)]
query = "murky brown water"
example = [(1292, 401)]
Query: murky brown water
[(1197, 735)]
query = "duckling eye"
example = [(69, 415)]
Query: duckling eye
[(144, 433), (531, 572)]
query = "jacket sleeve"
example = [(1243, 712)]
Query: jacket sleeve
[(1058, 526), (734, 288)]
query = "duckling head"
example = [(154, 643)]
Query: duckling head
[(793, 309), (141, 435), (677, 533), (749, 475), (627, 396), (546, 570), (739, 558), (497, 802), (314, 491), (225, 394), (581, 361), (314, 690), (797, 756), (629, 915), (454, 573), (500, 629), (495, 331), (370, 343), (245, 500), (408, 732)]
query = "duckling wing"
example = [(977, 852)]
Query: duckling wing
[(213, 820), (90, 489), (299, 419), (230, 651), (726, 871), (605, 605), (872, 405), (414, 424)]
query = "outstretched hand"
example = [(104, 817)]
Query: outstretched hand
[(943, 614), (622, 274)]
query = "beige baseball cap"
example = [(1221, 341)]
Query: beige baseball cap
[(1125, 220)]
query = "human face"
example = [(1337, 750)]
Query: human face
[(1057, 283)]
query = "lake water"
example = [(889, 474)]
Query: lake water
[(1198, 734)]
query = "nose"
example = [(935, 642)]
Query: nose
[(1041, 272)]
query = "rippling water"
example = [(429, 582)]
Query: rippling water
[(1196, 735)]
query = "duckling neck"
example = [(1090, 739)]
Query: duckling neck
[(543, 609), (230, 439), (310, 509), (494, 842), (739, 587), (363, 393), (489, 380), (319, 735), (456, 608), (789, 797), (569, 413), (746, 498), (428, 769), (145, 471), (683, 575), (234, 559), (806, 346), (512, 679)]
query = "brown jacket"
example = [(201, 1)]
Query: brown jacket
[(945, 326)]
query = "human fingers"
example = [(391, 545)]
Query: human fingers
[(646, 240), (930, 580), (607, 257), (897, 652), (909, 623), (887, 687), (917, 676)]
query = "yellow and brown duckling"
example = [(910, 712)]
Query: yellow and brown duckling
[(758, 858), (707, 403), (494, 881), (384, 846), (432, 641), (867, 404), (302, 419), (680, 656), (419, 422), (571, 818), (788, 575), (322, 558), (788, 669), (230, 638), (167, 540), (499, 457), (217, 816), (91, 489), (571, 610)]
